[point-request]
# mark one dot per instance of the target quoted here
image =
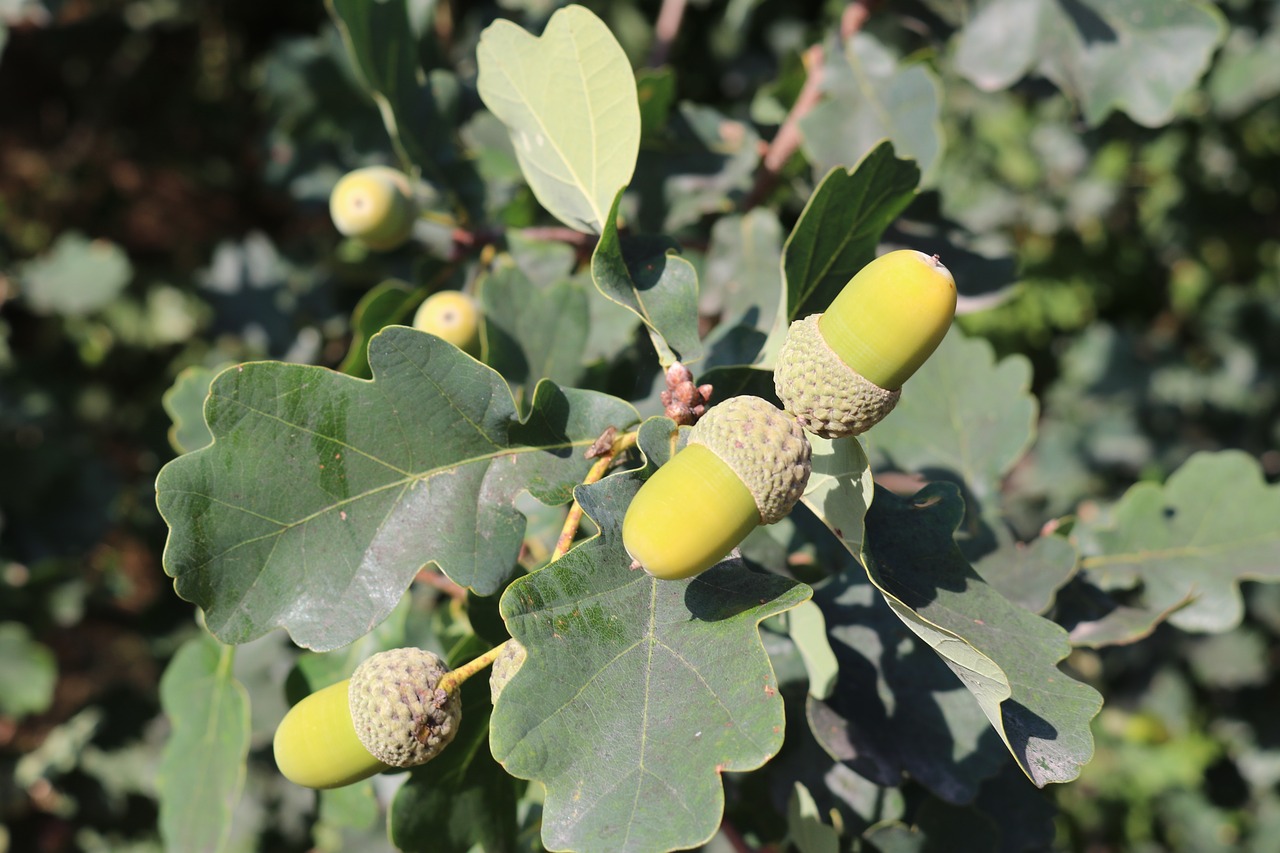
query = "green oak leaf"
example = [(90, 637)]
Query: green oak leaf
[(184, 404), (644, 275), (871, 95), (76, 276), (1006, 656), (1185, 546), (534, 332), (417, 109), (637, 693), (841, 225), (202, 768), (896, 710), (805, 827), (702, 164), (741, 286), (322, 495), (1139, 56), (28, 672), (1030, 573), (962, 412), (386, 303), (568, 99)]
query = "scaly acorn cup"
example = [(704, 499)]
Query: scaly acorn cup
[(375, 206), (840, 372), (453, 316), (390, 714), (745, 463)]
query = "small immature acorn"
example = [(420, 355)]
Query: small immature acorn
[(505, 666), (840, 372), (374, 205), (745, 463), (390, 714), (453, 316)]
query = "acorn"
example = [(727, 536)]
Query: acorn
[(746, 463), (505, 666), (375, 206), (390, 714), (840, 372), (453, 316)]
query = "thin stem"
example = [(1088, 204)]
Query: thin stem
[(665, 30), (855, 17), (602, 463), (453, 679), (787, 140)]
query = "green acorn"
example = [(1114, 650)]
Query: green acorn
[(374, 205), (505, 666), (390, 714), (453, 316), (745, 463), (840, 372)]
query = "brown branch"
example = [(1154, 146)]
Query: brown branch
[(574, 520), (855, 16), (787, 140), (665, 30)]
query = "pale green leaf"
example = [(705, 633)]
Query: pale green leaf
[(1185, 547), (963, 413), (805, 826), (568, 99), (840, 488), (1138, 56), (202, 770), (76, 276), (870, 96), (184, 404), (28, 671)]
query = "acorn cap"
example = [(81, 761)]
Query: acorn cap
[(766, 449), (824, 394), (400, 715)]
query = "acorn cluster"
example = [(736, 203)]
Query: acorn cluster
[(838, 374)]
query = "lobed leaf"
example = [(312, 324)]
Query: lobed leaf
[(962, 412), (1139, 56), (1184, 548), (416, 108), (323, 495), (841, 225), (643, 275), (637, 693), (568, 99), (1006, 656), (896, 710), (184, 404), (534, 332), (869, 96), (202, 769)]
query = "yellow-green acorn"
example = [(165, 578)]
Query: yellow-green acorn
[(840, 372), (505, 666), (453, 316), (745, 463), (390, 714), (375, 206)]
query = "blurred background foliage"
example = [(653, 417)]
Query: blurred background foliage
[(164, 170)]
